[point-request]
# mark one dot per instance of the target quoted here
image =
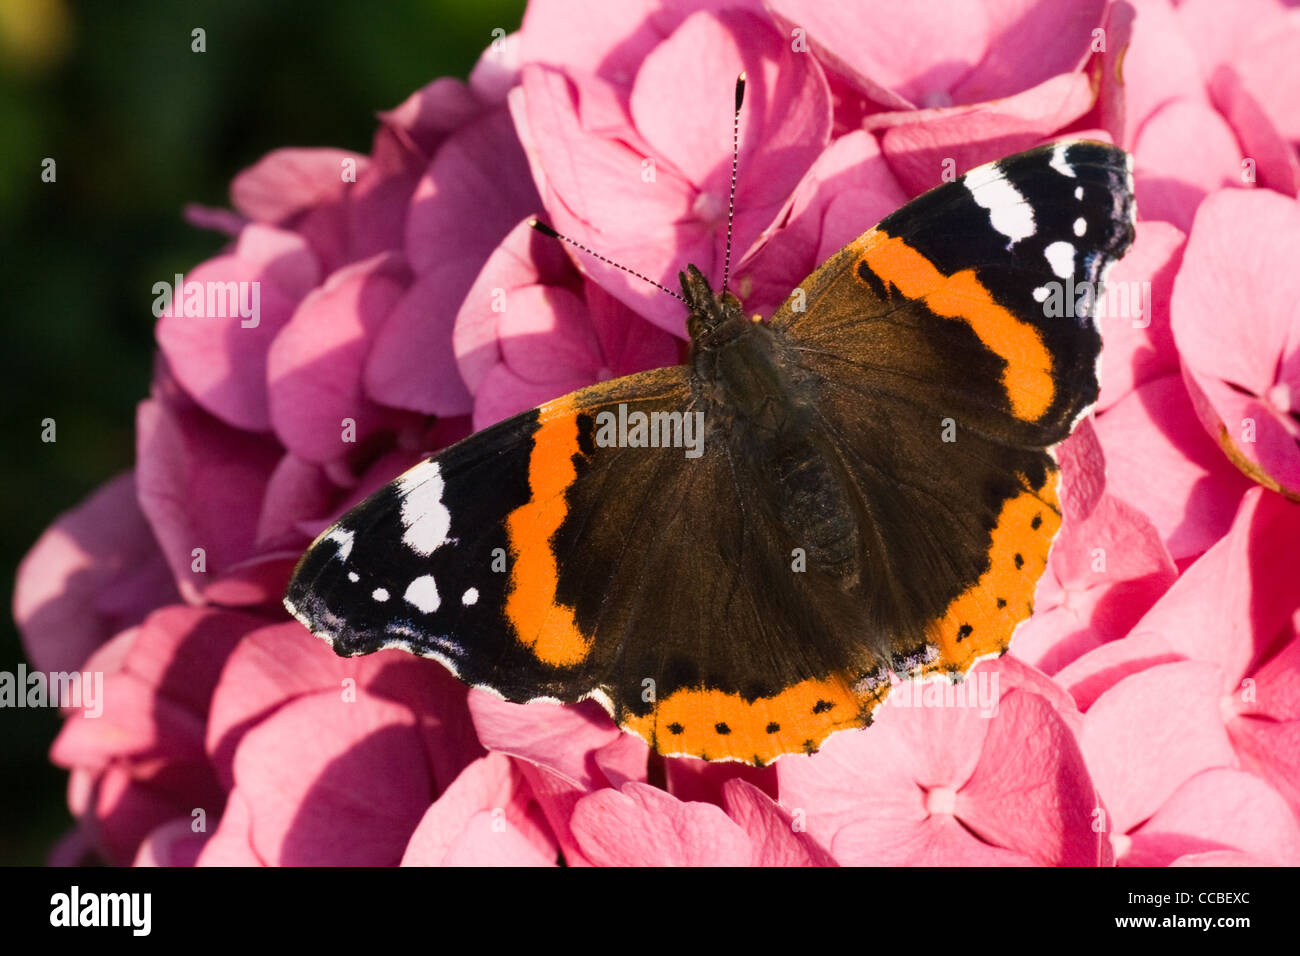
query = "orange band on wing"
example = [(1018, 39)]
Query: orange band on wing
[(1028, 374), (980, 621), (717, 725), (546, 626)]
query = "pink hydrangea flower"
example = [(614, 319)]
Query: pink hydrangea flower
[(405, 302), (1192, 75), (633, 156), (936, 785), (1243, 374)]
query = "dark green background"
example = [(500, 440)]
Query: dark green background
[(139, 125)]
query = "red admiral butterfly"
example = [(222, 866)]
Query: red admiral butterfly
[(873, 494)]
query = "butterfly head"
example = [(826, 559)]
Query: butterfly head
[(714, 319)]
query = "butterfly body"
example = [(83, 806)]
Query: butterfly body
[(870, 493), (759, 401)]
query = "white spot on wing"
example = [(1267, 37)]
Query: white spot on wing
[(354, 577), (469, 597), (424, 516), (1060, 255), (423, 594), (1058, 161), (1078, 192), (1041, 293), (1009, 213), (380, 594), (1080, 226), (343, 538)]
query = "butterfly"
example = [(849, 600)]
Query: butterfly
[(738, 556)]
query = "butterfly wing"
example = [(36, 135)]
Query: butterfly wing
[(455, 559), (959, 338)]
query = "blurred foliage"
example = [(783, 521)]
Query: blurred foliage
[(139, 126)]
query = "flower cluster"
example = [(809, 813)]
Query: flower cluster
[(1148, 713)]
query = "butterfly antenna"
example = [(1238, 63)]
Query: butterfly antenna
[(735, 156), (546, 230)]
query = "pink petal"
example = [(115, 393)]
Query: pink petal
[(562, 750), (1228, 607), (922, 144), (1154, 431), (1138, 343), (546, 336), (1160, 64), (525, 258), (848, 189), (172, 844), (464, 207), (489, 841), (777, 838), (1061, 37), (127, 806), (319, 766), (627, 343), (623, 760), (1266, 730), (497, 71), (895, 793), (1107, 66), (232, 844), (411, 365), (489, 786), (1261, 42), (642, 826), (1150, 733), (145, 750), (1110, 570), (96, 571), (287, 181), (704, 782), (315, 366), (158, 692), (1219, 810), (562, 739), (1171, 180), (1218, 858), (298, 490), (1248, 372), (200, 486), (505, 394), (1272, 750), (916, 57), (1083, 472), (275, 664), (583, 163), (1041, 803), (423, 120), (612, 41), (460, 211), (283, 663), (557, 795), (1091, 675), (257, 583), (220, 359), (1276, 165)]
